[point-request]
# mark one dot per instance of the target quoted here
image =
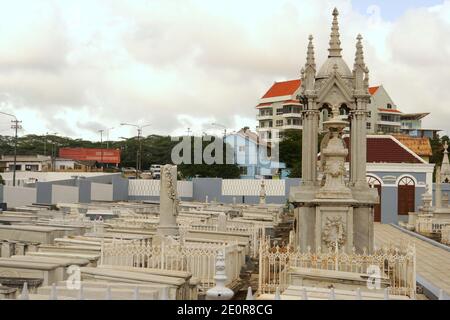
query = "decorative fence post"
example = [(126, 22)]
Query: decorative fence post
[(25, 294), (220, 291), (249, 294)]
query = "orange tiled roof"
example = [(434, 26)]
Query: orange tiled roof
[(284, 88), (373, 90), (421, 146), (389, 110)]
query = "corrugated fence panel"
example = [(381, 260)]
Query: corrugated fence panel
[(17, 196), (142, 188), (64, 194), (101, 192), (236, 187)]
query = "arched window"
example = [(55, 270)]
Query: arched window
[(406, 195), (389, 106), (373, 181)]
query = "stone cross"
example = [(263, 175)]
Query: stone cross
[(168, 207)]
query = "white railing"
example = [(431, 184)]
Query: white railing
[(429, 225), (445, 235), (395, 264), (198, 259)]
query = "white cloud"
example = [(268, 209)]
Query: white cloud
[(79, 65)]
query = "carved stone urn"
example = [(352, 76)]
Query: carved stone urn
[(334, 154)]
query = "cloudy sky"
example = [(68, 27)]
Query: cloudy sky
[(77, 66)]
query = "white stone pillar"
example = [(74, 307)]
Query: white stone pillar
[(222, 222), (220, 291), (358, 142), (438, 191), (309, 146), (168, 207)]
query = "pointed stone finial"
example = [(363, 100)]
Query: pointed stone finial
[(445, 160), (359, 56), (25, 295), (220, 291), (277, 294), (310, 60), (249, 294), (53, 295), (335, 42)]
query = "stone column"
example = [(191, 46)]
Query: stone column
[(222, 222), (309, 146), (438, 191), (358, 142), (168, 208)]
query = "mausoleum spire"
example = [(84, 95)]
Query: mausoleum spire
[(310, 60), (335, 42), (360, 71), (445, 167), (359, 56)]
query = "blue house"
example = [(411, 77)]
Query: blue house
[(255, 158)]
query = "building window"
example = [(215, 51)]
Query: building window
[(243, 171), (279, 123), (368, 125), (389, 106), (279, 112), (369, 114)]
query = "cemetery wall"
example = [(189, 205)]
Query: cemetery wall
[(101, 192)]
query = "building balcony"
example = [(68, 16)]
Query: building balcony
[(264, 117), (389, 123), (291, 126), (292, 115), (264, 128)]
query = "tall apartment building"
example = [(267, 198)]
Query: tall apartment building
[(280, 110)]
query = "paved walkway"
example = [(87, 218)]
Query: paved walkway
[(433, 263)]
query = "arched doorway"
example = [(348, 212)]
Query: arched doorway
[(372, 181), (406, 195)]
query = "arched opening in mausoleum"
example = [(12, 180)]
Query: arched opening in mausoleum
[(406, 195), (376, 183)]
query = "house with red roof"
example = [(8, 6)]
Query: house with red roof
[(279, 110), (398, 173)]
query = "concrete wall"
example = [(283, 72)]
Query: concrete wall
[(101, 192), (18, 196), (64, 194)]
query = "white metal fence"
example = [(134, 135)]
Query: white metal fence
[(198, 259), (395, 264)]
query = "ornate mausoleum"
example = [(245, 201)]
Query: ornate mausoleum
[(332, 209)]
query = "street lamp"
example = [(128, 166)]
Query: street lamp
[(221, 126), (16, 126), (139, 153)]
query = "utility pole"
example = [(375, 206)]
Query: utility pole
[(189, 132), (101, 145), (139, 151), (16, 126)]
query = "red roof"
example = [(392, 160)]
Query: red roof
[(389, 110), (373, 90), (385, 149), (284, 88)]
